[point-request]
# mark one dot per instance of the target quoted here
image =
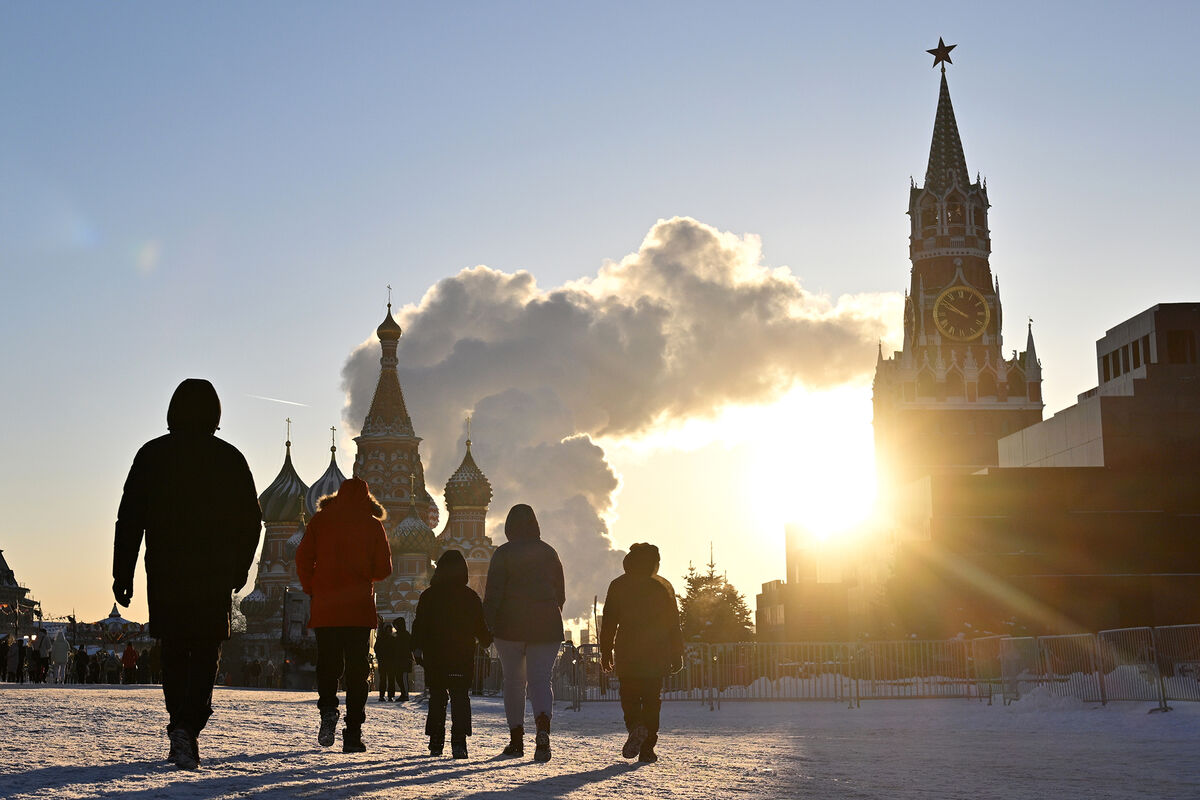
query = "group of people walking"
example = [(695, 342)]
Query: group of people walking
[(195, 560)]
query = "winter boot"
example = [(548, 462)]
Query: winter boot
[(458, 748), (436, 745), (329, 721), (516, 742), (541, 749), (633, 745), (181, 748), (647, 754), (352, 740)]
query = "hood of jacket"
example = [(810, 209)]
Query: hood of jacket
[(451, 568), (642, 559), (194, 408), (521, 524), (353, 495)]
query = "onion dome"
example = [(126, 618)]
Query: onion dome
[(255, 604), (468, 486), (327, 484), (283, 499), (413, 535), (389, 329)]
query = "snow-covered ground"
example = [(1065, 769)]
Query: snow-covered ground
[(109, 742)]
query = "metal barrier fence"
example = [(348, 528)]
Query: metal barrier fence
[(1143, 664)]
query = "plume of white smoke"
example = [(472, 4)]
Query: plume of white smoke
[(690, 323)]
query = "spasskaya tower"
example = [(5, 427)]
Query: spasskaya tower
[(943, 400)]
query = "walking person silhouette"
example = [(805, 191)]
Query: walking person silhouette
[(641, 621), (522, 605), (343, 552), (192, 497), (448, 624)]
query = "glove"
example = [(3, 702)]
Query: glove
[(123, 593), (606, 661)]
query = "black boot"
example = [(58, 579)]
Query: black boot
[(541, 749), (458, 748), (436, 745), (352, 740), (516, 742)]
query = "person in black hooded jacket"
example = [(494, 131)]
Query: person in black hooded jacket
[(192, 497), (448, 623), (641, 621)]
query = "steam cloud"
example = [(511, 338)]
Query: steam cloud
[(690, 323)]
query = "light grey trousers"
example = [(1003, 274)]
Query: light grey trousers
[(527, 664)]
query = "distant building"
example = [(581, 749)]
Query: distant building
[(388, 459), (1092, 519), (19, 613)]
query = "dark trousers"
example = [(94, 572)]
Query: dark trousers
[(641, 702), (189, 670), (343, 650), (387, 680), (402, 678), (460, 714)]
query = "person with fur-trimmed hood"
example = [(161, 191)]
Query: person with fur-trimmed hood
[(641, 622), (448, 624), (343, 553)]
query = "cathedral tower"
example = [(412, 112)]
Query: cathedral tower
[(943, 401), (468, 494)]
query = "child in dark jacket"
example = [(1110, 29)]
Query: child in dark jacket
[(448, 623), (641, 620)]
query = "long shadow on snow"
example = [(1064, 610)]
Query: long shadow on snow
[(558, 785), (340, 779)]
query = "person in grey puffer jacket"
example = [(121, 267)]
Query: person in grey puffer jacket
[(522, 606)]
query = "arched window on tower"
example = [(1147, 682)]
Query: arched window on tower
[(1016, 384), (925, 385), (929, 217), (979, 219), (987, 384), (954, 385), (956, 212)]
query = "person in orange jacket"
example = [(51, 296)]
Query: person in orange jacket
[(129, 661), (343, 552)]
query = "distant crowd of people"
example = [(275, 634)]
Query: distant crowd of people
[(204, 556), (50, 659)]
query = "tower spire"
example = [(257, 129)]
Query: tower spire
[(1033, 367), (947, 164)]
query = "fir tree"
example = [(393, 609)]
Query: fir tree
[(713, 610)]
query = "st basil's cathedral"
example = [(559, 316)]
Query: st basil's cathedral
[(388, 459)]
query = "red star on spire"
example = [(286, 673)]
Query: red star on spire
[(941, 52)]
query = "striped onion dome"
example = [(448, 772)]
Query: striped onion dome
[(468, 486), (413, 535), (327, 484), (255, 604), (282, 500)]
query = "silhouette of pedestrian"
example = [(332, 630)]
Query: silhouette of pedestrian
[(448, 624), (404, 658), (191, 495), (343, 552), (641, 620), (385, 661), (523, 604)]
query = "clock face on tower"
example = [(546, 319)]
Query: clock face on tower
[(961, 313)]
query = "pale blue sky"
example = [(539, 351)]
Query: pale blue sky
[(224, 189)]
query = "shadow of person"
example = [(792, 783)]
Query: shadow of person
[(557, 785)]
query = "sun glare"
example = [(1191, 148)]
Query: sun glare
[(814, 464)]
